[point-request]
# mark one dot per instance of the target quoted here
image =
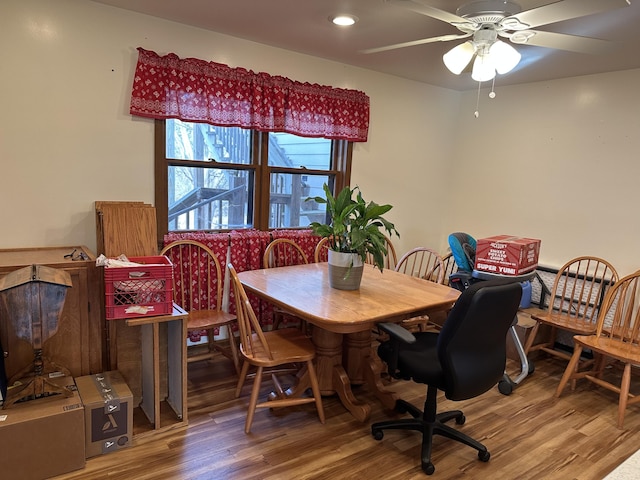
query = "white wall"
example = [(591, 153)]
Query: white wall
[(556, 161), (67, 139)]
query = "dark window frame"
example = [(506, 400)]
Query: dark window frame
[(341, 161)]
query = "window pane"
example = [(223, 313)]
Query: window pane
[(200, 141), (287, 206), (286, 150), (209, 198)]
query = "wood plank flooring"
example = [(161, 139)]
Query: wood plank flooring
[(530, 434)]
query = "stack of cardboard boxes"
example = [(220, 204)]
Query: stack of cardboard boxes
[(48, 436)]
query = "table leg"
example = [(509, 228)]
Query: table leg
[(364, 366), (341, 384), (357, 348), (331, 374), (373, 375), (328, 355), (333, 377)]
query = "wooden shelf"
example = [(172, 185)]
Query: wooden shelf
[(155, 369)]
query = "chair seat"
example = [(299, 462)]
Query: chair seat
[(611, 347), (287, 345), (200, 320), (203, 319), (578, 326), (419, 358)]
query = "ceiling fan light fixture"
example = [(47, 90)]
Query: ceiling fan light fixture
[(459, 57), (343, 20), (483, 69), (504, 57)]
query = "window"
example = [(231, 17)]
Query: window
[(226, 178)]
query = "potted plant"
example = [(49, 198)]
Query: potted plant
[(353, 233)]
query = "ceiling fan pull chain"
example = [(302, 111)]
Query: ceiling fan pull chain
[(477, 112), (492, 93)]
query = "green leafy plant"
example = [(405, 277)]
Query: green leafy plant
[(355, 224)]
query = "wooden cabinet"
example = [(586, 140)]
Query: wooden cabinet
[(79, 342)]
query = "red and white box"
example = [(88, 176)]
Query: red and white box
[(507, 255)]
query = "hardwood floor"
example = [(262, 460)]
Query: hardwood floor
[(530, 434)]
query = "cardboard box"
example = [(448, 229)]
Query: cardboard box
[(44, 437), (507, 255), (108, 410)]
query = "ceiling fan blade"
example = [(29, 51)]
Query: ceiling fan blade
[(420, 6), (560, 41), (442, 38), (564, 10)]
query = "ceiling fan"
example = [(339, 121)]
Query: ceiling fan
[(486, 20)]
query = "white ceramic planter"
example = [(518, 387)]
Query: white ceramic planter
[(345, 270)]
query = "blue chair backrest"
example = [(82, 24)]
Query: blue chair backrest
[(463, 249)]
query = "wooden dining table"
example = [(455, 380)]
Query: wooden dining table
[(343, 320)]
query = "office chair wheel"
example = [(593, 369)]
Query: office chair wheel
[(428, 468), (484, 456), (460, 420), (377, 434), (505, 387)]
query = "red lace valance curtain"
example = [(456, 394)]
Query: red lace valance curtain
[(199, 91)]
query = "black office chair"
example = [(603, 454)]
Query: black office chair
[(463, 249), (465, 359)]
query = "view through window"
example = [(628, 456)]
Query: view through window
[(224, 178)]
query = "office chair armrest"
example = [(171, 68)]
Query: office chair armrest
[(397, 331), (397, 334)]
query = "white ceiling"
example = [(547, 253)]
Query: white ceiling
[(303, 26)]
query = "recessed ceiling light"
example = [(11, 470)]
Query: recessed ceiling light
[(343, 20)]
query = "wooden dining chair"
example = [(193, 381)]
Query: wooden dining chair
[(578, 290), (450, 267), (425, 263), (283, 252), (276, 348), (390, 259), (616, 340), (197, 289), (321, 253), (422, 262)]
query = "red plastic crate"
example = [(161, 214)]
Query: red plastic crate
[(149, 286)]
